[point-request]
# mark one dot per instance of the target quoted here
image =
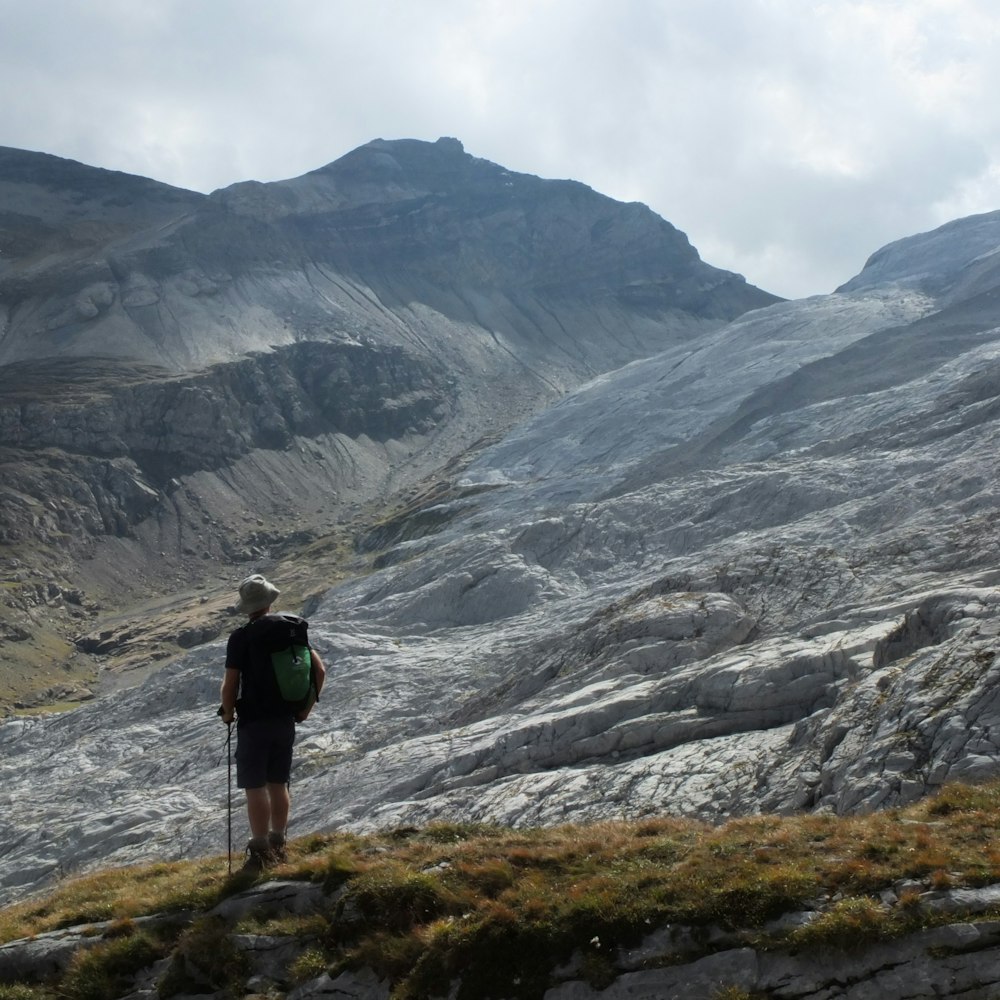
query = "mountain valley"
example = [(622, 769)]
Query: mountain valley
[(586, 528), (192, 384)]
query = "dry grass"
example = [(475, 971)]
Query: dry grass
[(119, 894), (495, 905)]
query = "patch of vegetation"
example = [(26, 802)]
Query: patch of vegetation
[(121, 893), (20, 991), (43, 661), (311, 964), (106, 969), (50, 709), (498, 909), (205, 960), (847, 925)]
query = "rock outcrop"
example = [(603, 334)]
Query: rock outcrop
[(960, 959), (109, 444)]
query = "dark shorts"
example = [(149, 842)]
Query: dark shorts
[(264, 752)]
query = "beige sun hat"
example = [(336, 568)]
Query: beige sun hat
[(256, 593)]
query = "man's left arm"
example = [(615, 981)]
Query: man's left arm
[(319, 671)]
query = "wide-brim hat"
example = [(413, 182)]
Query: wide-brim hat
[(256, 593)]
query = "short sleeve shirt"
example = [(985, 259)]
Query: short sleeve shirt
[(259, 697)]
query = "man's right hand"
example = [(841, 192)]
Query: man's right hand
[(227, 717)]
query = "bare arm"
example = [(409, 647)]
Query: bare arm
[(228, 693), (319, 672)]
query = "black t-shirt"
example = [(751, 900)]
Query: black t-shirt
[(247, 652)]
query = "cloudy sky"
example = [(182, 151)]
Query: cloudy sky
[(788, 138)]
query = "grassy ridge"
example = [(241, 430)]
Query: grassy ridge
[(501, 908)]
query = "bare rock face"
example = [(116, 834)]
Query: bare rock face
[(957, 960), (130, 433)]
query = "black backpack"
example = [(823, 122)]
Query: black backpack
[(285, 638)]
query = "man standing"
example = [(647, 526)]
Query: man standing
[(265, 729)]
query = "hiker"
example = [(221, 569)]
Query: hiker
[(265, 726)]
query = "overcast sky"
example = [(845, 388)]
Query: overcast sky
[(788, 138)]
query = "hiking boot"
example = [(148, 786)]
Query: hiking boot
[(258, 855), (276, 846)]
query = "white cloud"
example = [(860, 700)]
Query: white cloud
[(789, 140)]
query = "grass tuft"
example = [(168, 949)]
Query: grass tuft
[(205, 960), (107, 969), (850, 924), (311, 964), (393, 896), (20, 991)]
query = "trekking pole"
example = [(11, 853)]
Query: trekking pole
[(229, 793), (229, 785)]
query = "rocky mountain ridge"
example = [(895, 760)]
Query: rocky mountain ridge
[(369, 245), (812, 906)]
